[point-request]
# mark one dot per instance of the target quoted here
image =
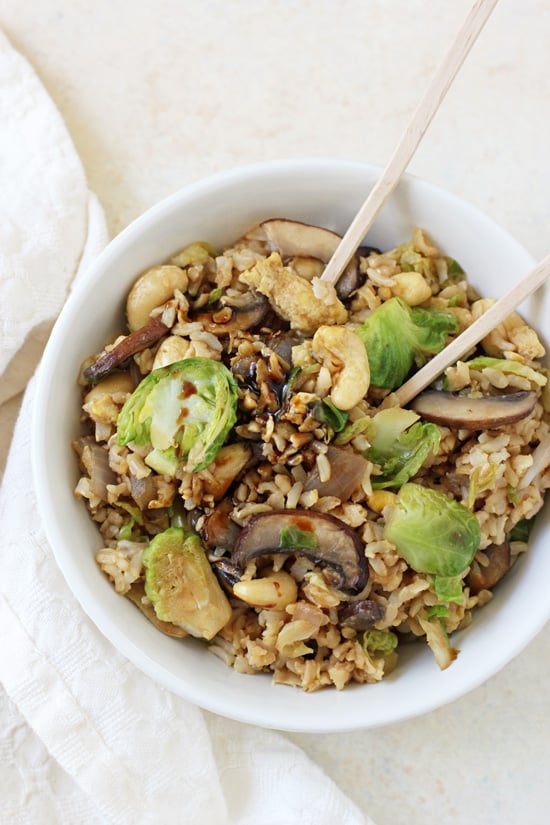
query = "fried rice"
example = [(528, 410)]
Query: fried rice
[(310, 638)]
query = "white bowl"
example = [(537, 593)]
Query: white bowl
[(219, 209)]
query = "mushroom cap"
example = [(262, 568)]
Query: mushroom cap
[(330, 543), (294, 238), (474, 413)]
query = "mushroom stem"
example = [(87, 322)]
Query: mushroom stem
[(134, 342)]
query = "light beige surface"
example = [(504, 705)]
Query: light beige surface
[(157, 94)]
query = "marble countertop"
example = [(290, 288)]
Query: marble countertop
[(158, 94)]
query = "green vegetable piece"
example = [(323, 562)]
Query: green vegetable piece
[(481, 479), (193, 253), (438, 611), (522, 529), (453, 267), (410, 259), (361, 426), (215, 295), (181, 584), (329, 415), (512, 493), (400, 444), (133, 510), (382, 642), (433, 533), (506, 365), (398, 338), (184, 411), (293, 538), (448, 588), (125, 532)]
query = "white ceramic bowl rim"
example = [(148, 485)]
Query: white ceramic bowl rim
[(334, 187)]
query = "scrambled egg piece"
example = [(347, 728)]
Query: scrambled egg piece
[(305, 305), (512, 334)]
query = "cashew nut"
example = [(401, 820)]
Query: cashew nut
[(117, 382), (172, 349), (411, 287), (345, 356), (152, 289), (104, 400), (275, 591)]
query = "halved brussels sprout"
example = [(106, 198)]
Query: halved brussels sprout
[(181, 584), (184, 410), (433, 533)]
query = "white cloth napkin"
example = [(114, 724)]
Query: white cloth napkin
[(85, 737)]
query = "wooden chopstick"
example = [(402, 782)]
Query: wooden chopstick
[(410, 139), (474, 333)]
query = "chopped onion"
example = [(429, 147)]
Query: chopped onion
[(143, 490), (95, 460), (541, 460), (347, 472)]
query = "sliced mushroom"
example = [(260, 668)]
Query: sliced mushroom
[(477, 413), (219, 530), (323, 539), (227, 574), (136, 595), (230, 319), (361, 614), (348, 469), (352, 278), (485, 577), (296, 239), (282, 342), (365, 251), (245, 367), (135, 342)]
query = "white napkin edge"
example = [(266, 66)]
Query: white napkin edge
[(24, 362), (32, 679)]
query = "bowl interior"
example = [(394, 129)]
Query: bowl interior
[(219, 209)]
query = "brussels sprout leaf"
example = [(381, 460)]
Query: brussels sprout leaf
[(448, 588), (438, 611), (506, 365), (400, 444), (522, 530), (433, 533), (329, 415), (382, 642), (398, 337)]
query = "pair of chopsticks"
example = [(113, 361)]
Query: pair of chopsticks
[(389, 179)]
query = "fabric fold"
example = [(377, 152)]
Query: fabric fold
[(110, 746)]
